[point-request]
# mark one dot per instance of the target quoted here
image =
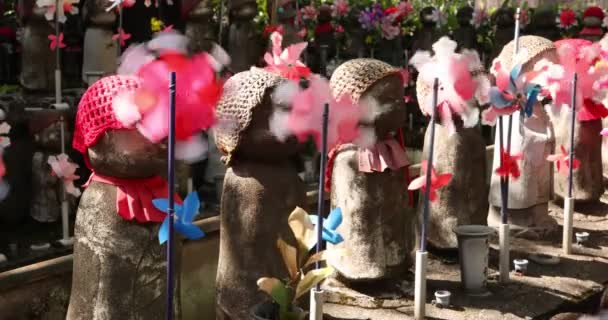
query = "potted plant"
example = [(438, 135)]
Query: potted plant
[(300, 265)]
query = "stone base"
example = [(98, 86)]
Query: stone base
[(533, 222), (377, 294)]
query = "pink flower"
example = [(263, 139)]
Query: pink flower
[(66, 171), (562, 161), (437, 181), (604, 132), (56, 42), (286, 62), (168, 29), (389, 31), (116, 4), (306, 115), (310, 12), (50, 6), (339, 29), (121, 36), (340, 8), (405, 8), (480, 16)]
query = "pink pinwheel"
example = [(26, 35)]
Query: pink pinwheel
[(508, 165), (306, 115), (50, 6), (116, 4), (66, 171), (286, 62), (121, 36), (198, 89), (576, 56), (562, 161), (438, 181), (457, 87), (56, 42), (169, 28)]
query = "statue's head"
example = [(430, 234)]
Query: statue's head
[(324, 14), (46, 126), (593, 17), (375, 85), (504, 17), (243, 113), (429, 16), (465, 15), (108, 147)]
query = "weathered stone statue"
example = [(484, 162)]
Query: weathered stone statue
[(464, 200), (37, 59), (100, 51), (465, 35), (368, 183), (243, 40), (119, 265), (47, 187), (533, 137), (428, 34), (504, 24), (261, 189), (200, 28), (542, 24), (287, 20), (593, 19)]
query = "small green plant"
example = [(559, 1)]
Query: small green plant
[(298, 260)]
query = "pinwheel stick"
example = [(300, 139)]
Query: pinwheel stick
[(421, 254), (568, 201), (321, 199), (119, 40), (220, 30), (171, 211), (58, 11), (316, 296)]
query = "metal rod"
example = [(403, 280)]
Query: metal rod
[(171, 211), (120, 30), (220, 21), (504, 192), (572, 127), (427, 190), (321, 199)]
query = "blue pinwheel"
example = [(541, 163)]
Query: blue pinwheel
[(511, 91), (184, 214), (330, 225)]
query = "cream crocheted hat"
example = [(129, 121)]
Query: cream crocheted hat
[(243, 92), (355, 76), (537, 48)]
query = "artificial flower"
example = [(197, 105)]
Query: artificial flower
[(340, 8), (270, 29), (576, 56), (562, 161), (5, 141), (508, 165), (389, 30), (50, 6), (310, 12), (121, 36), (65, 170), (512, 91), (438, 181), (168, 28), (156, 24), (286, 62), (306, 115), (182, 219), (405, 8), (480, 17), (567, 19), (457, 87), (120, 4), (370, 18), (56, 42), (339, 29)]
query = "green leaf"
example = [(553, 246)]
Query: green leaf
[(277, 291), (289, 255), (311, 279)]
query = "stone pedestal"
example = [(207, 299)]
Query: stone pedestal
[(587, 180), (464, 200), (200, 29)]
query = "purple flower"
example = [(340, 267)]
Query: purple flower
[(370, 17)]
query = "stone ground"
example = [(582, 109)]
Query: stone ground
[(571, 285)]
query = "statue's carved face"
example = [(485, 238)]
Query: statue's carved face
[(259, 143), (127, 154), (388, 95), (50, 137)]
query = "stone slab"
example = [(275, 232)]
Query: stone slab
[(542, 292)]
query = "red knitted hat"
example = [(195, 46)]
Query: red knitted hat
[(594, 12), (95, 114)]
